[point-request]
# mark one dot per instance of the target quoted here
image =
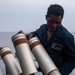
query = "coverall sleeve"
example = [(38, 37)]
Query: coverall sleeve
[(34, 33), (69, 57), (37, 31)]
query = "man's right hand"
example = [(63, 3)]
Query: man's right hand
[(29, 36)]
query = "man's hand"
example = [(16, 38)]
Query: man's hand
[(29, 36)]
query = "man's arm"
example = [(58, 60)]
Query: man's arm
[(69, 57)]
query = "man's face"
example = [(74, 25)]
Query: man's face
[(53, 22)]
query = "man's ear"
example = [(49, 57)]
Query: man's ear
[(46, 17)]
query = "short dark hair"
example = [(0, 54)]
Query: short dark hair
[(56, 10)]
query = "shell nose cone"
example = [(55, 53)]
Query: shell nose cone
[(20, 32), (0, 48)]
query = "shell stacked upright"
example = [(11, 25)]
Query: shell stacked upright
[(24, 54), (10, 61), (42, 57)]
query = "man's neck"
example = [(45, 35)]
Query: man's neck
[(49, 34)]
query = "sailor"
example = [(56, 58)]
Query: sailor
[(57, 40)]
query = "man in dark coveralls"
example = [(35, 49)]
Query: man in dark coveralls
[(57, 40)]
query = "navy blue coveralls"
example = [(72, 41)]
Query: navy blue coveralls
[(60, 47)]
